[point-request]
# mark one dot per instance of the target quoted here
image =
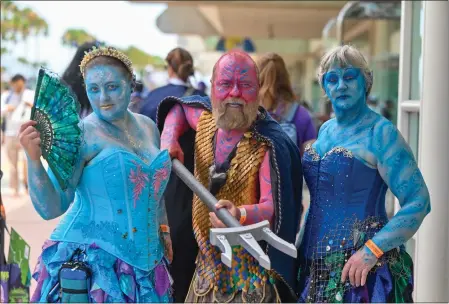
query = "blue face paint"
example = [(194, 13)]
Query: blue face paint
[(109, 91), (345, 87)]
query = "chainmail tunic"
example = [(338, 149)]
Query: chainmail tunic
[(241, 188)]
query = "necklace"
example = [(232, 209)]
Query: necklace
[(130, 141), (136, 145)]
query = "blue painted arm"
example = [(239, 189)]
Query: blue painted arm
[(398, 168), (49, 200), (46, 195)]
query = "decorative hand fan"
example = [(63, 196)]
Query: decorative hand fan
[(55, 110)]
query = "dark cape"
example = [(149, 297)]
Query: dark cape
[(151, 102), (287, 194)]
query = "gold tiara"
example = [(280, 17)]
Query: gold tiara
[(106, 51)]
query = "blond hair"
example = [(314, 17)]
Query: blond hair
[(345, 56), (274, 81)]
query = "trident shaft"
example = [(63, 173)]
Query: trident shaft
[(235, 234)]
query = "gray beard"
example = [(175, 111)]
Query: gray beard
[(226, 120)]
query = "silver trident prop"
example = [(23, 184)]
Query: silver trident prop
[(236, 234)]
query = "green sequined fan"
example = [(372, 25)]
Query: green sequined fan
[(56, 111)]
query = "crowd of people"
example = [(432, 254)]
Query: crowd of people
[(144, 235)]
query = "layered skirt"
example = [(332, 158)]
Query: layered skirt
[(113, 280)]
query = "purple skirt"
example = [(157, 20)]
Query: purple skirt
[(112, 279)]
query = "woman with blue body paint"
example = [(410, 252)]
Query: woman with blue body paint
[(114, 209), (351, 251)]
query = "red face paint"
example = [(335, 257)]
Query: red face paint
[(235, 77)]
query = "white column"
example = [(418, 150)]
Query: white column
[(432, 262)]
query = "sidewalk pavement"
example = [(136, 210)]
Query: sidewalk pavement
[(21, 216)]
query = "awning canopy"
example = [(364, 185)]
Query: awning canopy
[(185, 20), (255, 19)]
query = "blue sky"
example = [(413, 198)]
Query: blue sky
[(119, 23)]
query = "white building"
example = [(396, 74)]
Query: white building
[(424, 122)]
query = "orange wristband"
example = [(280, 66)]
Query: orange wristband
[(242, 215), (374, 249), (165, 228)]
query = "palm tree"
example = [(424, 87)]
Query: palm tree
[(8, 10), (140, 58), (20, 23), (76, 37), (23, 60), (38, 27), (38, 64)]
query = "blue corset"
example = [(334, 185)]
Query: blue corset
[(342, 190), (115, 208)]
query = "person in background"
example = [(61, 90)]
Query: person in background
[(15, 109), (73, 78), (387, 110), (202, 87), (178, 197), (276, 95), (136, 98), (179, 68), (306, 105)]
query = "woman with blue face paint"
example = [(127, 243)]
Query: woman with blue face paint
[(115, 214), (351, 251)]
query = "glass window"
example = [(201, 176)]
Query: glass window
[(415, 77), (413, 132)]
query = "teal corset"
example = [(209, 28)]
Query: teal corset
[(115, 208)]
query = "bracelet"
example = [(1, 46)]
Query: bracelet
[(165, 228), (242, 215), (374, 249)]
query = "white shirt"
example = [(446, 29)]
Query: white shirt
[(177, 81), (21, 114)]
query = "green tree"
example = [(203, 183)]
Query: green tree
[(37, 65), (9, 27), (140, 58), (76, 37), (23, 60), (17, 23)]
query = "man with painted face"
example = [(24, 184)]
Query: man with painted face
[(351, 252), (245, 159), (117, 213)]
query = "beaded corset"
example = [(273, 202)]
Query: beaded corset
[(115, 207), (342, 190), (241, 188)]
